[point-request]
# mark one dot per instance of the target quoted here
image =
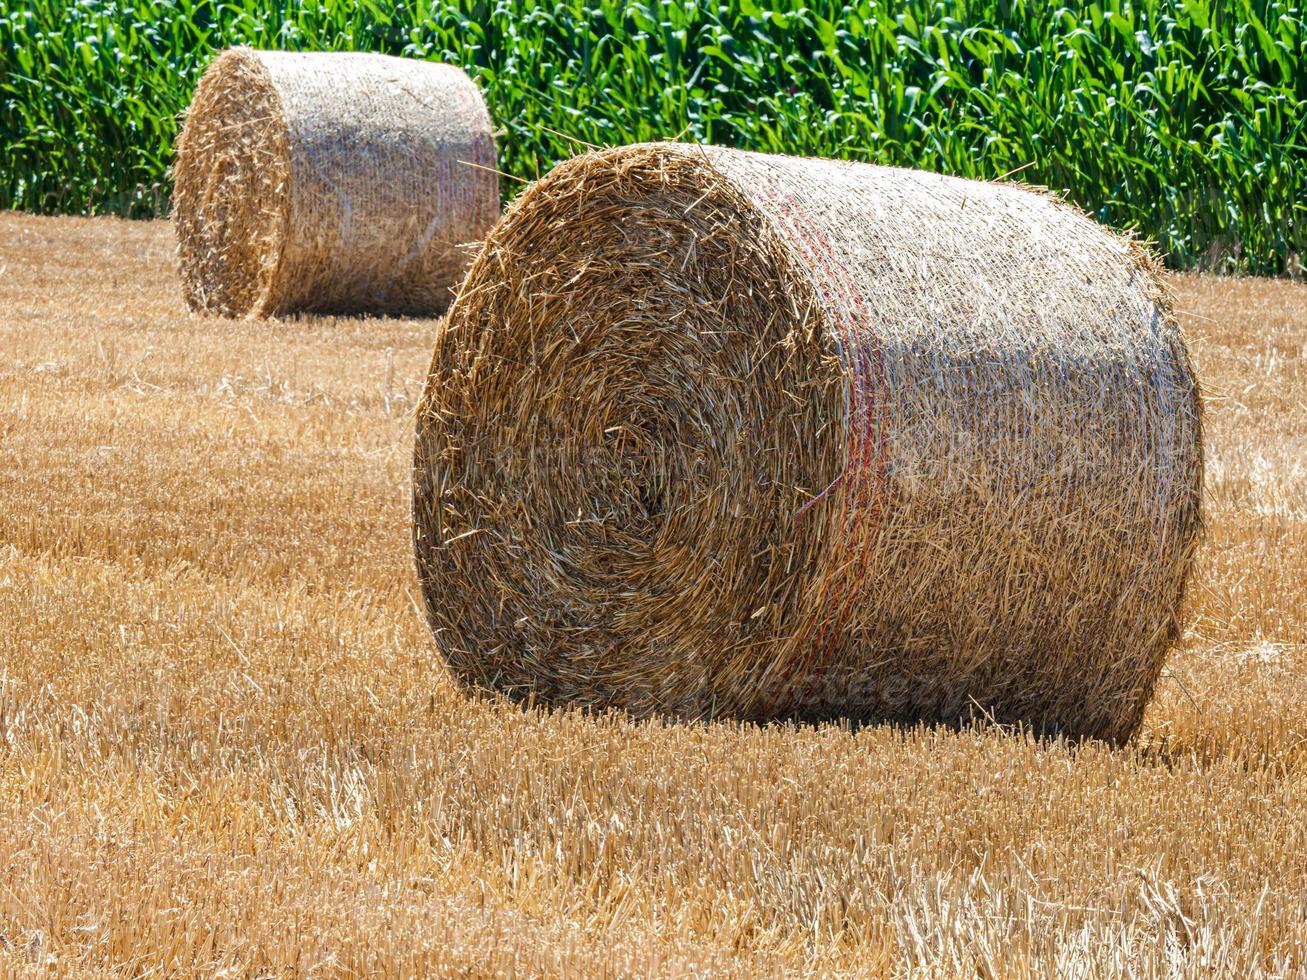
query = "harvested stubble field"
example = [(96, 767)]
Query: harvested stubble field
[(227, 742)]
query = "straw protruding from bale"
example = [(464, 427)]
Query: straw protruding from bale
[(724, 434), (331, 182)]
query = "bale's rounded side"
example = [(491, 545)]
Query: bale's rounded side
[(719, 433), (331, 183)]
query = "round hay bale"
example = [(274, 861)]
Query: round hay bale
[(330, 182), (724, 434)]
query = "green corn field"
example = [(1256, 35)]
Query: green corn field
[(1181, 120)]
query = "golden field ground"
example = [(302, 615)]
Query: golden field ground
[(228, 746)]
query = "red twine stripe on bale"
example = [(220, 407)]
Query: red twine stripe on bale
[(863, 478)]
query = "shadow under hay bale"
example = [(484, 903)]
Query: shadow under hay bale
[(724, 434), (336, 183)]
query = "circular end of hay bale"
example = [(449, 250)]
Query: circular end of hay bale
[(595, 437), (331, 182), (231, 197), (720, 434)]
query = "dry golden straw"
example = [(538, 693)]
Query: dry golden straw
[(330, 182), (718, 433)]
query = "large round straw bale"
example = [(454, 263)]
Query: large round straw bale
[(718, 433), (330, 182)]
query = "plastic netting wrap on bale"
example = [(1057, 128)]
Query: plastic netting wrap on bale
[(331, 182), (723, 434)]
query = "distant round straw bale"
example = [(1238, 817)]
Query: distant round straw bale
[(331, 182), (722, 434)]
